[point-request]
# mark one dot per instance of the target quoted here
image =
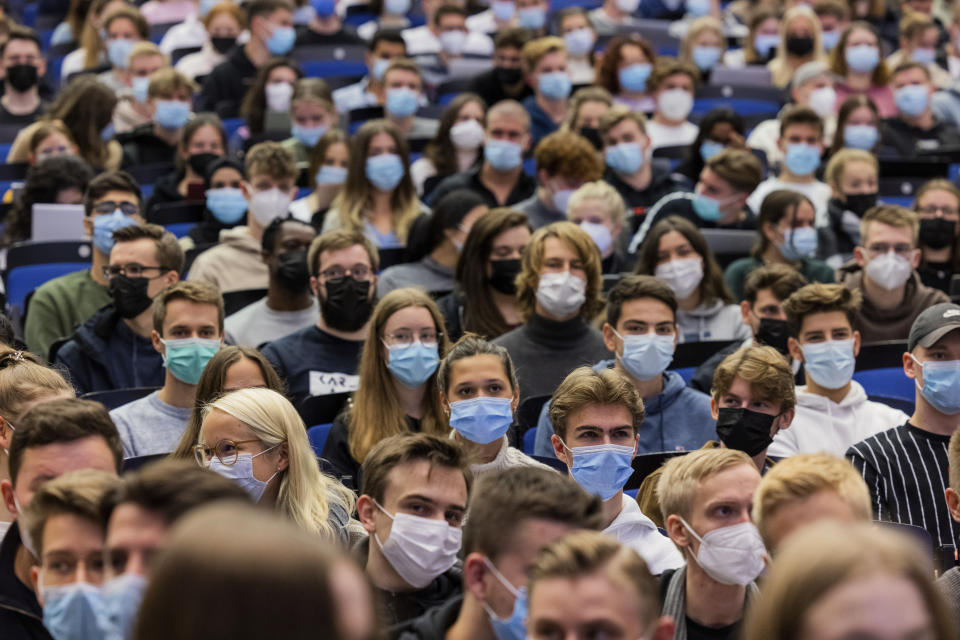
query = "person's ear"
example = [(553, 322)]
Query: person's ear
[(560, 451), (88, 226), (782, 145), (172, 277), (911, 368), (35, 582), (856, 344), (525, 144), (915, 260), (860, 256), (6, 434), (745, 312), (677, 532), (610, 338), (474, 574), (445, 405), (714, 408), (953, 503), (794, 348), (265, 256), (366, 510), (515, 403), (246, 189), (31, 158), (315, 286), (283, 460), (157, 344), (786, 418), (6, 489)]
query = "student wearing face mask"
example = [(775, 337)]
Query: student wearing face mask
[(833, 412), (505, 80), (545, 67), (236, 262), (721, 128), (884, 270), (329, 160), (312, 114), (598, 209), (672, 84), (288, 305), (853, 178), (202, 142), (169, 101), (457, 146), (565, 162), (937, 204), (558, 293), (123, 28), (225, 205), (641, 329), (799, 43), (440, 236), (132, 110), (932, 360), (709, 597), (915, 129), (596, 416), (785, 235), (413, 503), (266, 104), (216, 36), (23, 65), (430, 39), (396, 386), (400, 96), (704, 45), (857, 63), (919, 39)]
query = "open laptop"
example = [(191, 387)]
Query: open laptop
[(52, 222)]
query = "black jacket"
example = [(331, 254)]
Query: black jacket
[(433, 625), (224, 88), (141, 147), (21, 617), (489, 86), (336, 450), (165, 190), (902, 140)]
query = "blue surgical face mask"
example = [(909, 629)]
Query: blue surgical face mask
[(830, 39), (73, 611), (514, 627), (912, 100), (698, 8), (241, 472), (123, 596), (646, 356), (941, 385), (634, 77), (531, 18), (829, 363), (140, 86), (924, 56), (171, 114), (379, 68), (187, 357), (862, 58), (397, 7), (329, 174), (706, 207), (602, 469), (860, 136), (579, 42), (626, 157), (413, 364), (710, 148), (281, 40), (227, 204), (802, 159), (118, 51), (308, 136), (706, 58), (503, 155), (105, 224), (799, 243), (483, 419), (554, 85), (385, 171), (402, 102), (763, 44)]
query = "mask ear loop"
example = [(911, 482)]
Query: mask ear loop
[(506, 584)]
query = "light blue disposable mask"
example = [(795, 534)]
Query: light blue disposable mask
[(802, 159), (829, 39), (413, 364), (707, 208), (73, 611), (625, 158), (204, 6), (331, 175), (554, 85), (531, 18), (402, 102), (710, 148), (561, 199), (227, 204), (912, 100), (514, 627), (503, 155), (308, 136), (799, 243), (171, 114), (579, 42), (763, 44), (483, 419), (602, 469), (706, 58), (503, 10), (385, 171), (187, 357), (379, 68), (941, 385), (118, 51), (281, 40), (860, 136), (397, 7), (924, 56), (241, 472), (140, 88), (105, 224), (634, 77), (123, 596), (830, 363), (646, 356), (862, 58), (698, 8)]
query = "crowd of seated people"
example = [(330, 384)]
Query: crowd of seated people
[(480, 319)]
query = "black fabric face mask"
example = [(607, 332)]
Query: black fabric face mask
[(773, 333), (22, 76), (129, 295), (292, 273), (200, 162), (223, 44), (347, 306), (860, 203), (592, 134), (744, 430), (937, 233), (508, 76), (505, 275), (799, 45)]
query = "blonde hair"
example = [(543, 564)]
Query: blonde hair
[(376, 413), (534, 51), (825, 555), (781, 72), (581, 97), (165, 82), (619, 113), (313, 90), (698, 26), (24, 379), (608, 197), (532, 261), (145, 49), (893, 215), (764, 368), (683, 475), (305, 493), (802, 476), (839, 161)]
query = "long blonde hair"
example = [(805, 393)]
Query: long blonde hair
[(305, 493), (24, 379), (781, 71), (376, 412)]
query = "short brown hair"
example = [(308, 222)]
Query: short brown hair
[(584, 387), (192, 291), (61, 421), (534, 51), (169, 252), (739, 168), (767, 371), (132, 14), (271, 159), (634, 287), (619, 113), (800, 115), (514, 38), (682, 475), (403, 64), (167, 81), (75, 493), (821, 298), (781, 279), (406, 448), (567, 154), (337, 240), (834, 8), (18, 32), (505, 499), (110, 181), (893, 215), (913, 23), (666, 67)]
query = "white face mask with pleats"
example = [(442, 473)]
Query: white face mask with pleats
[(419, 549), (731, 555)]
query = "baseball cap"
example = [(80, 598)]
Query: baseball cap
[(933, 324)]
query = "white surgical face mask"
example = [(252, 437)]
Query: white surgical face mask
[(889, 270), (269, 204), (278, 96), (241, 472), (467, 135), (683, 275), (731, 555), (823, 101), (561, 294), (675, 104), (419, 549)]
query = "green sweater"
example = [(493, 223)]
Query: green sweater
[(58, 306), (736, 274)]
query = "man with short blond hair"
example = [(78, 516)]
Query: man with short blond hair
[(169, 103), (545, 67)]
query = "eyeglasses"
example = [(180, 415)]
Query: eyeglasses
[(903, 250), (109, 206), (226, 452), (931, 210), (132, 270), (357, 272), (406, 338)]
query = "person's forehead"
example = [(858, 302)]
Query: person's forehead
[(147, 60), (912, 75), (825, 320), (504, 120), (645, 309), (604, 416), (117, 196), (766, 297), (296, 230), (226, 174), (57, 458), (131, 526), (20, 46), (595, 596), (412, 318), (737, 483), (187, 312), (557, 248), (443, 485), (142, 250), (484, 366), (532, 534), (219, 425), (347, 257), (401, 75), (877, 230), (71, 532)]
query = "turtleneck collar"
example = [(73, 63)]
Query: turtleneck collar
[(553, 334)]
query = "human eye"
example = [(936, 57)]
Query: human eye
[(117, 560), (466, 392), (495, 388)]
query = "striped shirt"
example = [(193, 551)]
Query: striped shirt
[(905, 469)]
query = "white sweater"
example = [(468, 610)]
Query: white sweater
[(633, 529)]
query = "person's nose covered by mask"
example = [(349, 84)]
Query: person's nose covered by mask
[(291, 272)]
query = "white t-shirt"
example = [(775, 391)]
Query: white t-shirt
[(421, 41), (662, 135)]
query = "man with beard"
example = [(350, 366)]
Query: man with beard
[(288, 305), (322, 359)]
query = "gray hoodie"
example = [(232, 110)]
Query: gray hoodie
[(716, 321)]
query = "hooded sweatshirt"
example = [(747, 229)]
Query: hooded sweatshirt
[(633, 529), (876, 324), (822, 425), (234, 264), (716, 321), (678, 419)]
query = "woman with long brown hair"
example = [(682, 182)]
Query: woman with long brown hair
[(329, 160), (266, 105), (456, 146), (397, 387)]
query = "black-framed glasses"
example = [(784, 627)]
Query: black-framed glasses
[(132, 270), (357, 272), (109, 206), (226, 451)]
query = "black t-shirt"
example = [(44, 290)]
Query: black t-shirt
[(314, 363), (224, 88), (489, 86), (698, 631), (905, 140), (28, 118)]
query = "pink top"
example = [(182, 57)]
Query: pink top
[(881, 96), (165, 12)]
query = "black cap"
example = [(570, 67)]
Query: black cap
[(933, 324)]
